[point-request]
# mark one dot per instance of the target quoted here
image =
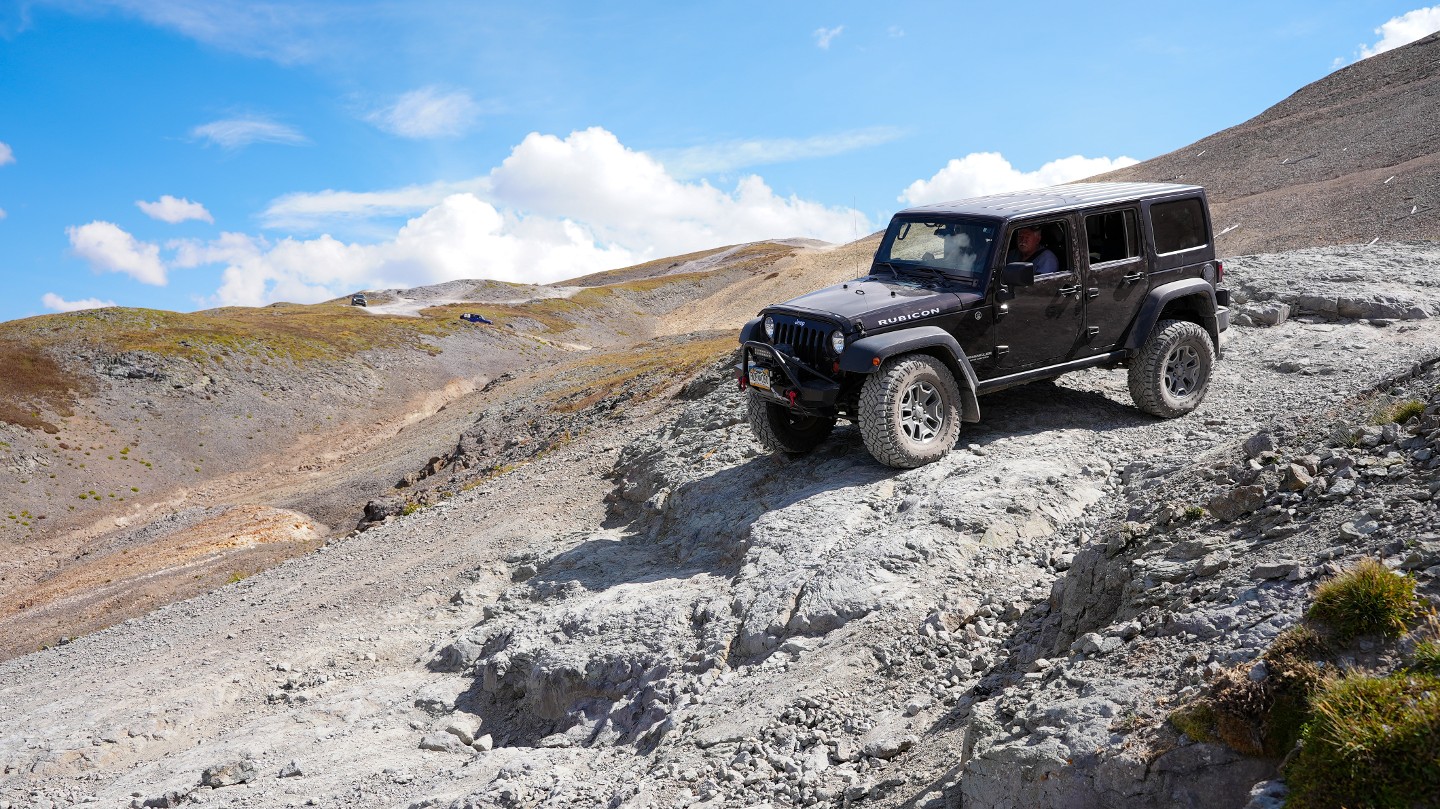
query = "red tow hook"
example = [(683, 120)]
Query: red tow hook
[(790, 394), (742, 380)]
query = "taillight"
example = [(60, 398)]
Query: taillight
[(1219, 272)]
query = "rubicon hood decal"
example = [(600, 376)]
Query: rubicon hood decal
[(878, 304)]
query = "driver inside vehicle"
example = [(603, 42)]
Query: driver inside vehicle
[(1028, 247)]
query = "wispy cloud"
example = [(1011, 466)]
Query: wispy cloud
[(896, 32), (107, 248), (730, 155), (428, 112), (285, 32), (55, 303), (234, 133), (321, 209), (981, 173), (1403, 30), (824, 36), (173, 210), (7, 155)]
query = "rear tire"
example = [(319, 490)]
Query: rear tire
[(910, 411), (1171, 374), (779, 429)]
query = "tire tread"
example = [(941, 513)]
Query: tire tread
[(1146, 376)]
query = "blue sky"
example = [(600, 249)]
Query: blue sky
[(184, 154)]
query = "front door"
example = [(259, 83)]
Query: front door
[(1041, 323), (1118, 276)]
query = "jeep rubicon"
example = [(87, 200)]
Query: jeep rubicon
[(949, 312)]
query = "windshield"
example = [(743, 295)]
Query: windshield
[(960, 250)]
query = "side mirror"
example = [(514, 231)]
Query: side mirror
[(1018, 274)]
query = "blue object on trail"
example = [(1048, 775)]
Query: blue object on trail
[(476, 318)]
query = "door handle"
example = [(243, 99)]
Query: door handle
[(1070, 290), (1131, 277), (1092, 293)]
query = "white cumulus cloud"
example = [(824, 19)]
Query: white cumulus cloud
[(1403, 30), (428, 113), (173, 210), (555, 208), (824, 36), (107, 248), (980, 173), (233, 133), (7, 155), (56, 303)]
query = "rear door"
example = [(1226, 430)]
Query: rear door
[(1117, 280)]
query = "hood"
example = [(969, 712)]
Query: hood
[(877, 303)]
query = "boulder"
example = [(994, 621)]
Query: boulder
[(1236, 503)]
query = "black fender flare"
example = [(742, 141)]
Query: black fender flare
[(751, 330), (865, 355), (1164, 294)]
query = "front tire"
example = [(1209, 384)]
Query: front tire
[(910, 411), (1171, 374), (779, 429)]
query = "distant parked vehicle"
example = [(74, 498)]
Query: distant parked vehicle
[(473, 318), (358, 299)]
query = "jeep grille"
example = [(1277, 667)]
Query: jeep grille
[(806, 343)]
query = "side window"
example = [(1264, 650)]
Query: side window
[(1178, 225), (1112, 236), (1045, 243)]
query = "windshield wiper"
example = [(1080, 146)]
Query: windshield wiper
[(891, 267), (921, 268)]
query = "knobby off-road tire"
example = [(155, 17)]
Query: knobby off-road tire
[(910, 411), (1170, 375), (779, 429)]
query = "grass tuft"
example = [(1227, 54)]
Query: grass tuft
[(1365, 599), (1400, 412), (1426, 658), (1373, 741)]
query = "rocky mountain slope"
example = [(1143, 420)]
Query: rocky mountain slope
[(148, 456), (1345, 160), (580, 583), (655, 613)]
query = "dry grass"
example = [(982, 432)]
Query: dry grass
[(642, 372), (35, 385), (647, 269)]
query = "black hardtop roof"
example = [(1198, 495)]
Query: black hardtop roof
[(1052, 199)]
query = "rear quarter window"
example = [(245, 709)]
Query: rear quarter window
[(1178, 225)]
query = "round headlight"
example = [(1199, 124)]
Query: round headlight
[(837, 341), (770, 327)]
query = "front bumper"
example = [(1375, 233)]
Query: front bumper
[(792, 382)]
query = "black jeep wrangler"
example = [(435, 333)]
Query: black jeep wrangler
[(970, 297)]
